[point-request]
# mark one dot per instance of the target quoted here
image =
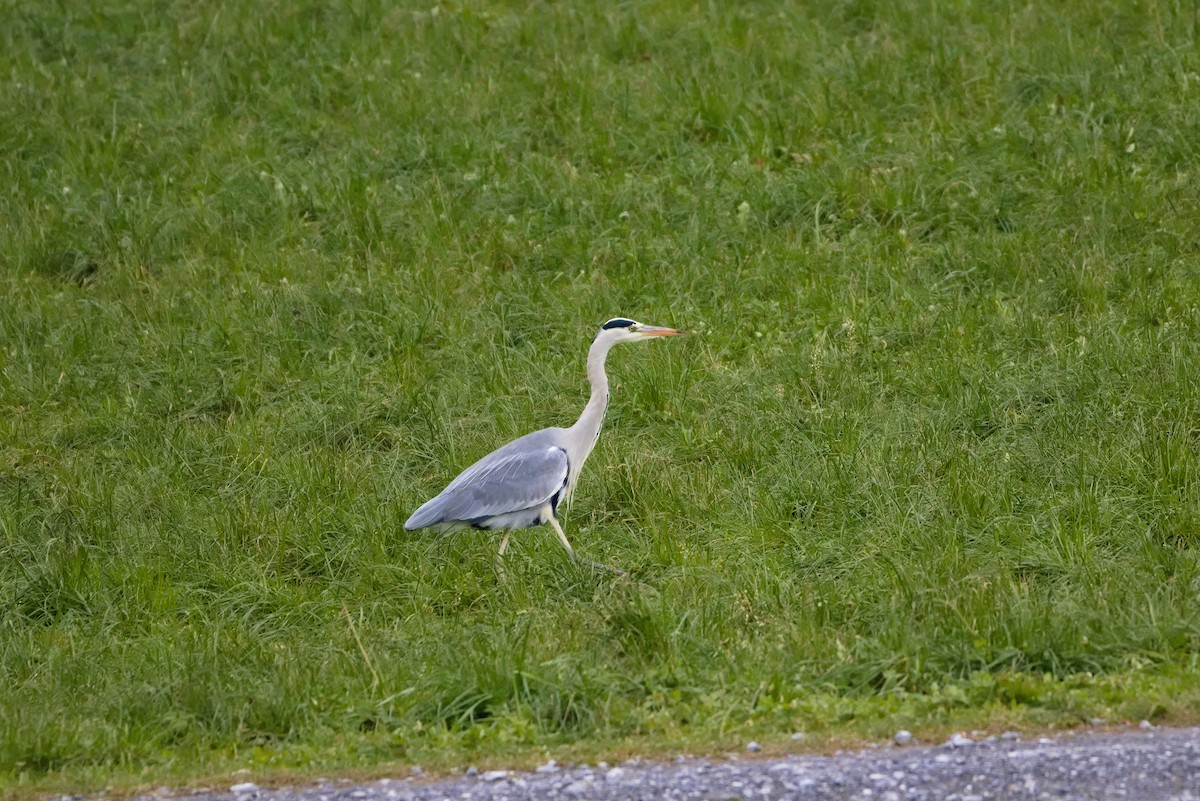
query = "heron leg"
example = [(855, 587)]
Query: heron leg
[(558, 530), (500, 554)]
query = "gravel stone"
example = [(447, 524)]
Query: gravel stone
[(903, 737), (753, 747), (1157, 764), (577, 789), (959, 740)]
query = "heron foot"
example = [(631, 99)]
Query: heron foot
[(615, 571), (598, 566), (571, 551)]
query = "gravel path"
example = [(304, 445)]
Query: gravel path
[(1146, 765)]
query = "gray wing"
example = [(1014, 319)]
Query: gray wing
[(516, 477)]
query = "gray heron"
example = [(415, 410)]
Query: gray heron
[(524, 483)]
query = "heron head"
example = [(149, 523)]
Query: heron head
[(622, 329)]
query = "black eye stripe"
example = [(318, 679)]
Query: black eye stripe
[(618, 322)]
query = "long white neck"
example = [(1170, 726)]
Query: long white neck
[(587, 428), (582, 436)]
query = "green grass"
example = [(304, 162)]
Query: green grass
[(273, 272)]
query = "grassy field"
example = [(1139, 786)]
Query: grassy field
[(273, 272)]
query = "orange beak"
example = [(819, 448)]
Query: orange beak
[(656, 331)]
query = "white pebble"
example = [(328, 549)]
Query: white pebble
[(577, 788), (244, 787), (614, 774), (1145, 724), (798, 736), (903, 737), (958, 740), (753, 747), (495, 775)]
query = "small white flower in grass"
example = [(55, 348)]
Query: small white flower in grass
[(1132, 146), (743, 211)]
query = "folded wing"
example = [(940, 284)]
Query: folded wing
[(509, 480)]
